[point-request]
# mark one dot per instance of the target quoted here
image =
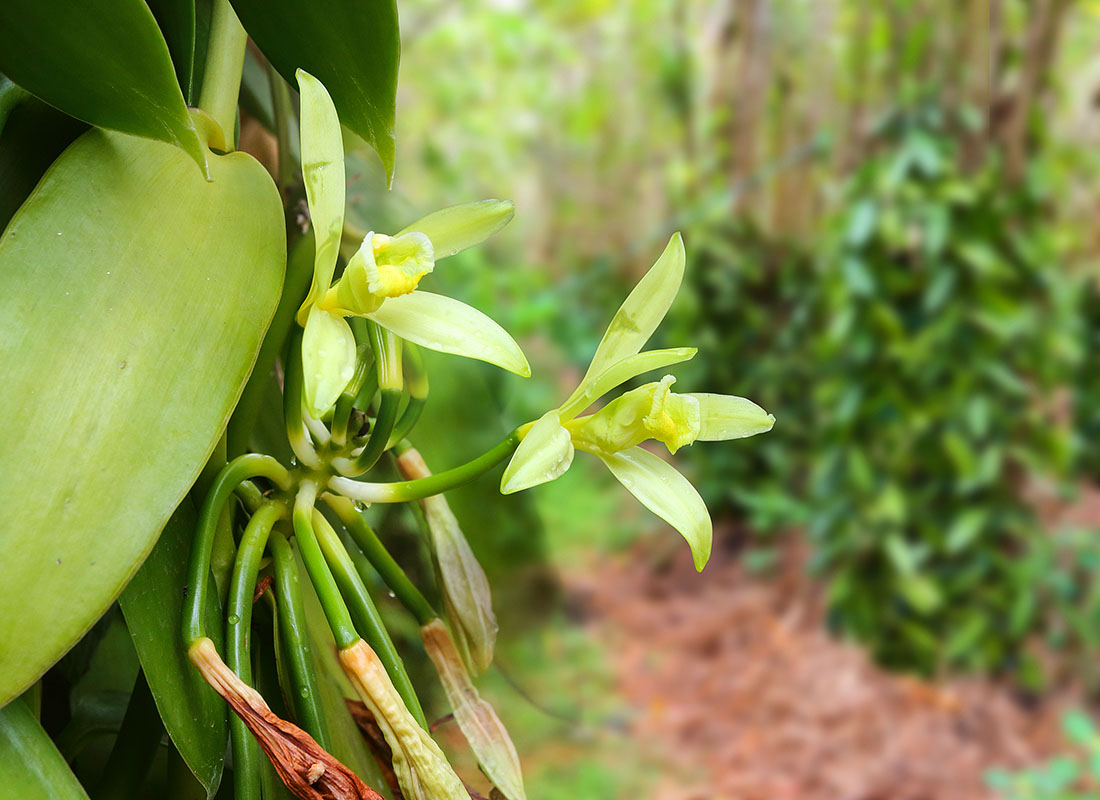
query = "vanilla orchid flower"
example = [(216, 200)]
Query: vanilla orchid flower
[(653, 411), (381, 279)]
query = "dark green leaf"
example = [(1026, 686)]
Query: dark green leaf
[(102, 62), (193, 713), (30, 765), (351, 46)]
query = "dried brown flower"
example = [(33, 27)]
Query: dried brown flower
[(307, 770)]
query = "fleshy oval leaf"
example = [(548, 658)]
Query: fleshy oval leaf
[(442, 323), (668, 494), (642, 311), (727, 416), (457, 228), (107, 65), (323, 173), (544, 454), (134, 295)]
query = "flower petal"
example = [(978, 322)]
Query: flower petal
[(323, 173), (728, 417), (544, 454), (449, 326), (456, 228), (642, 311), (328, 360), (668, 494), (620, 372)]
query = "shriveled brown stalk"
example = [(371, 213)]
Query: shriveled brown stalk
[(303, 765)]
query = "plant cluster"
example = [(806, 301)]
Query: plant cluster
[(209, 397)]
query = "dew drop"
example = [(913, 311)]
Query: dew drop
[(304, 692), (391, 594), (359, 505), (233, 619)]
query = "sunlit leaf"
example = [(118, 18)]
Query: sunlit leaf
[(133, 297)]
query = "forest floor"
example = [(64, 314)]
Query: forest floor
[(735, 689)]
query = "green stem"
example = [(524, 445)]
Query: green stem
[(299, 273), (346, 401), (379, 435), (387, 357), (306, 697), (281, 105), (336, 611), (198, 571), (409, 417), (379, 557), (246, 751), (404, 491), (367, 619), (221, 82), (138, 739)]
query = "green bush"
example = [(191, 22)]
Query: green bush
[(948, 327)]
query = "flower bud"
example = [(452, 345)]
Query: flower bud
[(478, 721), (652, 411), (422, 770), (467, 600), (307, 770)]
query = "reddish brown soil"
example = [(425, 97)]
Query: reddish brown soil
[(734, 678)]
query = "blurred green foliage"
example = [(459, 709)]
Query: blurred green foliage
[(948, 327), (917, 365)]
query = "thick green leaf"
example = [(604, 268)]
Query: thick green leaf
[(351, 46), (102, 62), (30, 765), (176, 19), (133, 298), (193, 713)]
